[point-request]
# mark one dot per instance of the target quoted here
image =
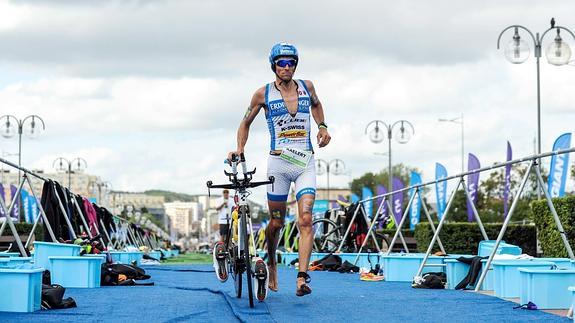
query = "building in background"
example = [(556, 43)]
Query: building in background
[(184, 218)]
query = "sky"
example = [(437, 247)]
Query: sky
[(150, 92)]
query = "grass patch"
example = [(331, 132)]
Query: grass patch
[(189, 258)]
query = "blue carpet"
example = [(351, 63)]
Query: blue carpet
[(187, 293)]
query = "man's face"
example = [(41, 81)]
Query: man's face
[(285, 68), (226, 195)]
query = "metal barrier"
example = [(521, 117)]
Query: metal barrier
[(534, 164)]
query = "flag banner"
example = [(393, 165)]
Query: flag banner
[(341, 198), (414, 212), (559, 167), (472, 184), (25, 206), (397, 199), (16, 208), (380, 190), (440, 189), (366, 193), (34, 209), (354, 198), (3, 197), (507, 187)]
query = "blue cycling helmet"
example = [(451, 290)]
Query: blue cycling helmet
[(282, 50)]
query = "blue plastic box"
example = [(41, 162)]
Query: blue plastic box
[(548, 289), (76, 272), (176, 252), (561, 263), (44, 250), (404, 266), (127, 257), (9, 254), (572, 290), (486, 246), (507, 278), (101, 256), (456, 271), (21, 289), (155, 254)]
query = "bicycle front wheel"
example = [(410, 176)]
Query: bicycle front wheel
[(247, 257)]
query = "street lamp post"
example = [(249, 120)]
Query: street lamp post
[(459, 120), (517, 51), (9, 129), (558, 53), (334, 166), (403, 133), (79, 163), (105, 186)]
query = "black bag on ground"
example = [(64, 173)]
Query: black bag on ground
[(111, 275), (348, 267), (329, 262), (432, 281), (53, 297)]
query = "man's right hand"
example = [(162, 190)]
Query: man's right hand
[(234, 153)]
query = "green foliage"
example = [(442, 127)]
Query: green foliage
[(548, 234), (24, 229), (371, 180), (464, 238), (171, 196)]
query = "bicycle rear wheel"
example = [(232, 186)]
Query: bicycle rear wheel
[(326, 235), (247, 257)]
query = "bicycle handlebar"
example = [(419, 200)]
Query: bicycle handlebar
[(236, 183), (240, 184)]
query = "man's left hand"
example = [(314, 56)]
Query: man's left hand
[(323, 137)]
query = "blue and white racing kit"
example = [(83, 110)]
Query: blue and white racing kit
[(293, 132)]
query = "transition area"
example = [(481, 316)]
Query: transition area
[(191, 293)]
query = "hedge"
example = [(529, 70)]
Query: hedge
[(548, 234), (24, 229), (463, 237)]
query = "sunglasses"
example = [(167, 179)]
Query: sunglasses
[(286, 62)]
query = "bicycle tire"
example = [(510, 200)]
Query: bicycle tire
[(247, 257), (236, 271), (329, 239)]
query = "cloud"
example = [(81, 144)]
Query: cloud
[(150, 93)]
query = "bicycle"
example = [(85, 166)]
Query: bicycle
[(236, 249), (328, 233)]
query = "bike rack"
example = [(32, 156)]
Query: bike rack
[(25, 181)]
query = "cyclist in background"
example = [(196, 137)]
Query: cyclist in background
[(288, 104)]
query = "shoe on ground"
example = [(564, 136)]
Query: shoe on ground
[(261, 276), (220, 261)]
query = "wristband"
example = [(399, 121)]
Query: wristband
[(322, 125)]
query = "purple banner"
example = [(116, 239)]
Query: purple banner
[(397, 199), (472, 184), (380, 190), (2, 214), (507, 187), (16, 202)]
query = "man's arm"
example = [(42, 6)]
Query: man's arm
[(257, 102), (323, 137)]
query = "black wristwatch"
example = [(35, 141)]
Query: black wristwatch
[(322, 125)]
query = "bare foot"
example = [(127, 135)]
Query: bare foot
[(302, 287), (273, 278)]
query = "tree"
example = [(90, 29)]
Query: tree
[(371, 180)]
